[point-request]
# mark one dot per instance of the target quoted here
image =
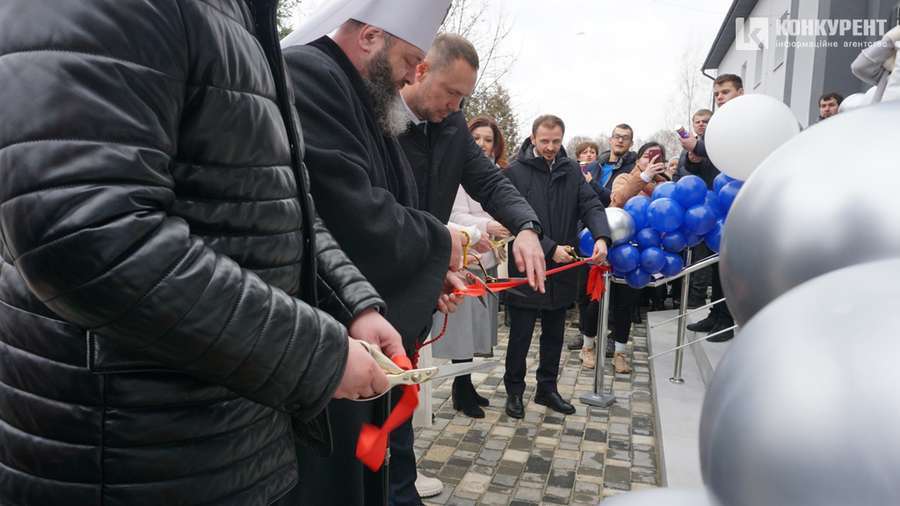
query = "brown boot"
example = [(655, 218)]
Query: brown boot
[(621, 364)]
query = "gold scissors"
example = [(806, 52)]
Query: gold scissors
[(397, 376)]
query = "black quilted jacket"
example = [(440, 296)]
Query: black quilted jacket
[(155, 235)]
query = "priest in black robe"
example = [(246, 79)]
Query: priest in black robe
[(346, 92)]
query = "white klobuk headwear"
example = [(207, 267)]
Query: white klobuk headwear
[(415, 21)]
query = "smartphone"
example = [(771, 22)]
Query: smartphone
[(654, 152), (682, 132)]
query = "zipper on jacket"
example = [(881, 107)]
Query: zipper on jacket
[(266, 27)]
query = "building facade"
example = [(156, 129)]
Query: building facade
[(796, 50)]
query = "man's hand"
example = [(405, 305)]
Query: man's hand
[(371, 327), (449, 303), (458, 240), (689, 144), (529, 259), (362, 377), (588, 177), (599, 255), (561, 255), (497, 231)]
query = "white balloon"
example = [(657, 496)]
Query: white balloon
[(746, 131), (857, 100)]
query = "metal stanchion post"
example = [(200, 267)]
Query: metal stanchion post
[(598, 398), (682, 323)]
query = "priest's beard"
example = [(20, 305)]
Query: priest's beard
[(390, 112)]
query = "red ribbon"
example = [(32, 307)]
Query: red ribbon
[(477, 289), (595, 283), (371, 447)]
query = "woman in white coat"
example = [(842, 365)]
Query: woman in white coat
[(876, 65), (472, 330)]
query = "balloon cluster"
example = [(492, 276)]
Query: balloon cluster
[(675, 217)]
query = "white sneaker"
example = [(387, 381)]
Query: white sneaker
[(427, 486)]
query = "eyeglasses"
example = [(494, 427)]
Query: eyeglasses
[(623, 138)]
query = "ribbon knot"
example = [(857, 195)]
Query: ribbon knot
[(371, 447)]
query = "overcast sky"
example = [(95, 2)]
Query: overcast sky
[(597, 63)]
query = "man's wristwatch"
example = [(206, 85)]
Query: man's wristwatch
[(534, 226)]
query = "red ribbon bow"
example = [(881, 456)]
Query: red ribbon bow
[(595, 284), (371, 447)]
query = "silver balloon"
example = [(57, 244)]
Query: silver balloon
[(621, 225), (663, 497), (803, 408), (809, 209)]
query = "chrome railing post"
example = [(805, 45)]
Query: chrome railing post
[(598, 398), (682, 323)]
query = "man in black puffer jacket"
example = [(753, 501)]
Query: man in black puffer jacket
[(162, 260), (554, 186)]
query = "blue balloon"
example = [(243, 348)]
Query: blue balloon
[(637, 208), (637, 278), (665, 215), (693, 240), (619, 274), (712, 201), (673, 266), (674, 242), (727, 195), (714, 237), (663, 191), (624, 258), (585, 243), (720, 181), (689, 191), (699, 220), (647, 237), (653, 260)]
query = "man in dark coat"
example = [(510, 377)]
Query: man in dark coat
[(554, 186), (162, 260), (347, 96), (442, 152), (443, 155)]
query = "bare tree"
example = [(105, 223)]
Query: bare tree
[(692, 89), (487, 31)]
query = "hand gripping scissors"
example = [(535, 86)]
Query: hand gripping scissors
[(397, 376)]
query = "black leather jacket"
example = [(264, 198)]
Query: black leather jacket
[(161, 258)]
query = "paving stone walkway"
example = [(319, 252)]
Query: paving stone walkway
[(546, 458)]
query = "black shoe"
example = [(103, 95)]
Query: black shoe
[(576, 344), (514, 407), (704, 325), (722, 324), (610, 347), (555, 402), (463, 398), (479, 399)]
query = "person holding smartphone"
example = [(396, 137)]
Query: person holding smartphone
[(649, 171)]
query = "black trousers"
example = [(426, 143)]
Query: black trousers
[(623, 299), (587, 309), (521, 328), (720, 310)]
